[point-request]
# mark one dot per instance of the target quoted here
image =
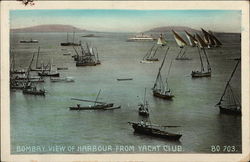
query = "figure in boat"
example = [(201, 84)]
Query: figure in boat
[(161, 88)]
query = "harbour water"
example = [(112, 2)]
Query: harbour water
[(47, 122)]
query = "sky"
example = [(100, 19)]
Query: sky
[(130, 20)]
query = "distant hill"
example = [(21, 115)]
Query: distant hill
[(170, 28), (49, 28)]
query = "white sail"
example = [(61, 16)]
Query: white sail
[(190, 40), (161, 41)]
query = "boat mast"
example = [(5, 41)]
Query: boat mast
[(223, 94), (28, 71), (74, 37), (97, 56), (37, 57), (67, 37), (159, 72), (12, 62), (208, 65), (168, 74), (144, 101), (202, 67), (149, 52), (75, 51), (97, 97), (155, 52)]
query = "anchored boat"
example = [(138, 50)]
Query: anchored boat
[(96, 106), (29, 41), (89, 56), (229, 102), (161, 89), (203, 72), (153, 130), (49, 73), (143, 107), (29, 88), (150, 55), (182, 44), (161, 41), (37, 67), (70, 43)]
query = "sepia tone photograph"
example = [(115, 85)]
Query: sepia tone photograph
[(113, 80)]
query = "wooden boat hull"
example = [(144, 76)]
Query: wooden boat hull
[(39, 70), (152, 59), (49, 75), (63, 68), (196, 74), (16, 87), (97, 107), (230, 111), (154, 132), (159, 95), (40, 92), (70, 44), (124, 79), (86, 64), (18, 72), (30, 41), (143, 113)]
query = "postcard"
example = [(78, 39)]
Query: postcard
[(124, 81)]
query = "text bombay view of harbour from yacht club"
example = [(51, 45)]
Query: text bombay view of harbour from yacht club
[(125, 81)]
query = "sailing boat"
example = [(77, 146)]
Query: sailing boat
[(217, 42), (230, 103), (89, 56), (143, 107), (13, 68), (182, 44), (96, 106), (160, 88), (70, 43), (50, 73), (39, 68), (210, 39), (29, 88), (201, 47), (191, 39), (150, 55), (207, 39), (161, 41)]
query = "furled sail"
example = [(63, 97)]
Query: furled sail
[(191, 39), (179, 40)]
